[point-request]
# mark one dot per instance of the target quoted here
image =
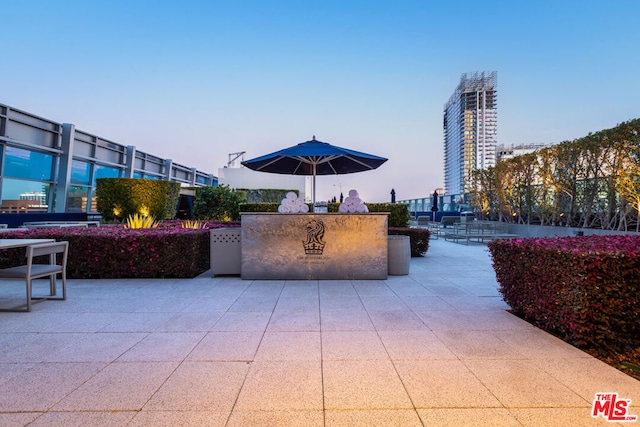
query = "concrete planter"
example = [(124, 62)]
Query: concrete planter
[(399, 255)]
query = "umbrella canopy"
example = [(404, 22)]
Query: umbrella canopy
[(315, 158)]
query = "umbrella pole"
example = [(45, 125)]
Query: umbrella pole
[(314, 185)]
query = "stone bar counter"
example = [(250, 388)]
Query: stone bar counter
[(308, 246)]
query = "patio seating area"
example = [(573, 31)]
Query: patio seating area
[(433, 348)]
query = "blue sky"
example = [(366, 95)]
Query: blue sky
[(196, 80)]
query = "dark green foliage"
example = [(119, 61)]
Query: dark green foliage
[(259, 207), (584, 289), (264, 195), (398, 212), (117, 198), (217, 203), (418, 238)]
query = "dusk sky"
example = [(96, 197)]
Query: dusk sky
[(194, 81)]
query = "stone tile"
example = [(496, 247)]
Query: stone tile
[(345, 320), (477, 345), (243, 321), (301, 303), (191, 322), (426, 303), (378, 418), (383, 303), (32, 347), (396, 321), (66, 419), (83, 322), (414, 345), (495, 320), (359, 345), (372, 288), (163, 346), (40, 387), (175, 304), (18, 419), (276, 418), (443, 384), (118, 387), (332, 302), (289, 346), (519, 383), (254, 303), (200, 386), (472, 417), (446, 320), (363, 384), (211, 304), (10, 370), (534, 343), (179, 418), (298, 320), (227, 346), (579, 417), (292, 385), (96, 347), (137, 322), (587, 376)]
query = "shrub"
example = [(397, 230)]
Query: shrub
[(418, 238), (216, 203), (139, 221), (116, 252), (584, 289), (118, 198)]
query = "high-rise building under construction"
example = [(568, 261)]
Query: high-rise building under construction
[(470, 124)]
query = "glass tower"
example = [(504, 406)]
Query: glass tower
[(470, 122)]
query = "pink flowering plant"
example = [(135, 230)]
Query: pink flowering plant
[(116, 252), (583, 289)]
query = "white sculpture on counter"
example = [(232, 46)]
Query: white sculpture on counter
[(353, 204), (291, 204)]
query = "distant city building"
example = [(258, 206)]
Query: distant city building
[(508, 151), (470, 130)]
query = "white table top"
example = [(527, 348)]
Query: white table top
[(17, 243)]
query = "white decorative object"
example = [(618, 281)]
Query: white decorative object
[(291, 204), (353, 204)]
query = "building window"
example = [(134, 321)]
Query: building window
[(80, 172), (20, 196), (105, 172), (77, 199), (19, 163)]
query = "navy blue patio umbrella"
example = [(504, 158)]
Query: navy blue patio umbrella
[(315, 158)]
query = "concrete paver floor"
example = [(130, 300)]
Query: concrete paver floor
[(434, 348)]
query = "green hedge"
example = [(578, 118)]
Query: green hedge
[(583, 289), (418, 238), (117, 198), (398, 213)]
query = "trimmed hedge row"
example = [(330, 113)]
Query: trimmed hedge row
[(583, 289), (418, 238), (398, 212), (114, 252)]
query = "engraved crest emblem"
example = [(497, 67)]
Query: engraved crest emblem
[(314, 244)]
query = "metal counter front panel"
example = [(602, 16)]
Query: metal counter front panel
[(314, 246)]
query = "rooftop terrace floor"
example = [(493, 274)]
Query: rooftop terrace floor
[(434, 348)]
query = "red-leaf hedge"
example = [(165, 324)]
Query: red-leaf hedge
[(116, 252), (584, 289)]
